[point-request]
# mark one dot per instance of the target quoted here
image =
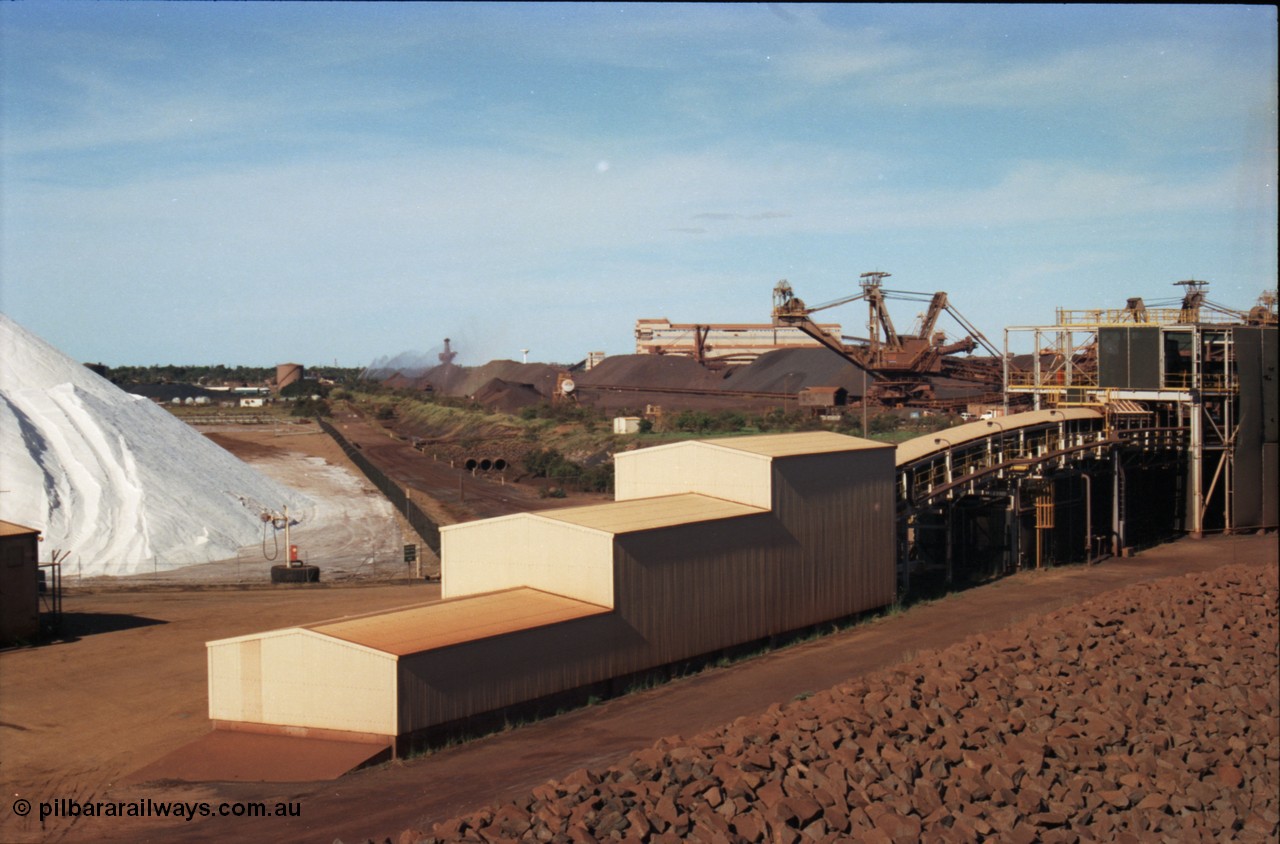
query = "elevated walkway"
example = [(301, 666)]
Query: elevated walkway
[(1025, 490)]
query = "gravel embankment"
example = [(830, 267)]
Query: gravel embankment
[(1148, 713)]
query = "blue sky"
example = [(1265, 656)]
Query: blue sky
[(261, 182)]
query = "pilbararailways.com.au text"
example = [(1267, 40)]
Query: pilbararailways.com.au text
[(63, 807)]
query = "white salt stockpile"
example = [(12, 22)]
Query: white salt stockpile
[(112, 478)]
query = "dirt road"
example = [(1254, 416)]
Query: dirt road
[(79, 716)]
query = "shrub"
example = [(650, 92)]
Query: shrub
[(542, 462), (307, 406), (885, 422), (551, 464)]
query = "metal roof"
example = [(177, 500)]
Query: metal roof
[(776, 445), (914, 449), (795, 445), (650, 513), (425, 627), (13, 529)]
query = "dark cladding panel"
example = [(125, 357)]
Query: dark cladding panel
[(1129, 358), (1113, 357), (1254, 478), (1270, 485), (1270, 386), (1248, 485), (1248, 353), (1144, 358), (1247, 478)]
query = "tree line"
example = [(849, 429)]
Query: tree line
[(211, 374)]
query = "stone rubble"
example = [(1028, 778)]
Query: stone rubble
[(1151, 713)]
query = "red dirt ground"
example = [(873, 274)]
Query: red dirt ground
[(78, 717)]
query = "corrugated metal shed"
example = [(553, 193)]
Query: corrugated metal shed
[(780, 532), (343, 675), (444, 623), (19, 586), (527, 550), (302, 680), (566, 552), (541, 603), (714, 470)]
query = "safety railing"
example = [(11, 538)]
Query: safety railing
[(1011, 450), (1084, 388), (1102, 317)]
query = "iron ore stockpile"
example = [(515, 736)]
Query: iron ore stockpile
[(1148, 713)]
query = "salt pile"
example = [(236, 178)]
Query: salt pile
[(111, 477)]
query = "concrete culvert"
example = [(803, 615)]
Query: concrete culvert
[(499, 465), (486, 464), (471, 464)]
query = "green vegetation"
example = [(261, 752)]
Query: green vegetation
[(420, 414), (198, 411), (570, 445), (310, 407), (211, 374), (551, 464)]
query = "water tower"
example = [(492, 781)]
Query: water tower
[(287, 373)]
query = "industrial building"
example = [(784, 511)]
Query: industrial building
[(1147, 422), (1148, 426), (19, 582), (723, 343), (709, 545), (1199, 369)]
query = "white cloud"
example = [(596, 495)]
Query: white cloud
[(346, 166), (837, 64)]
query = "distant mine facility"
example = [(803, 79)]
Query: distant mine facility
[(1141, 423), (723, 343), (709, 545), (903, 367), (756, 366), (923, 368)]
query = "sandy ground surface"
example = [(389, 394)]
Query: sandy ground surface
[(126, 682), (129, 683), (128, 686), (353, 533)]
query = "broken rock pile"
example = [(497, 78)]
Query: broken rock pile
[(1149, 713)]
